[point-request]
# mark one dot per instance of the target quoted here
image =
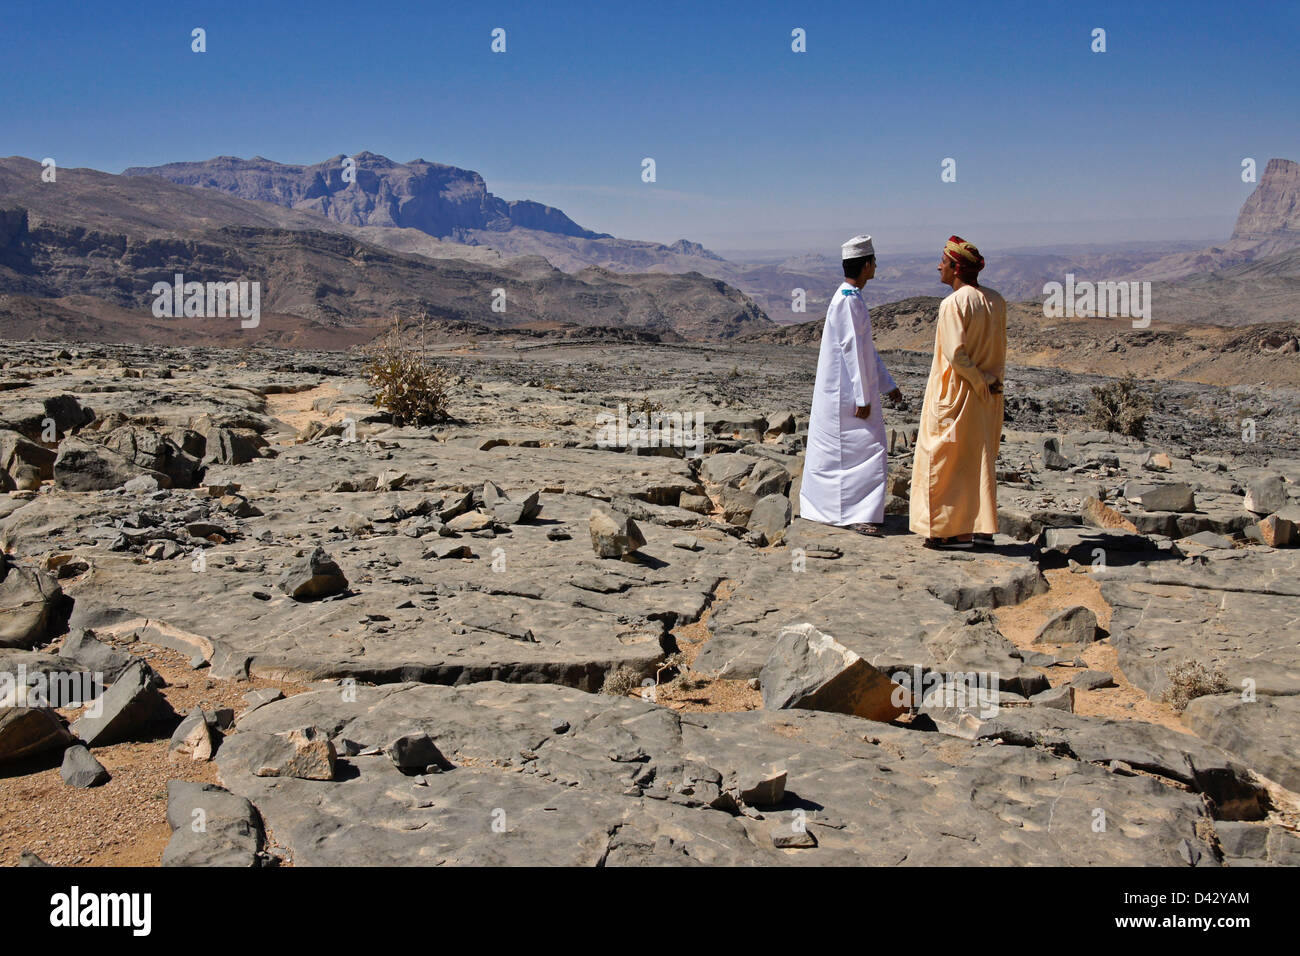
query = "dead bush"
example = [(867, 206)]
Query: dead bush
[(620, 682), (1192, 679), (1122, 407), (406, 384)]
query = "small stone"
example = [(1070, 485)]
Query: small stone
[(1058, 698), (415, 754), (1074, 625), (1208, 539), (812, 671), (791, 839), (470, 521), (1179, 498), (1100, 515), (80, 768), (306, 753), (1274, 532), (761, 788), (1092, 680), (700, 504)]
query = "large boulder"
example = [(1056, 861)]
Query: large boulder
[(29, 731), (131, 706), (31, 604), (155, 452), (1266, 496), (211, 827), (91, 466), (810, 670)]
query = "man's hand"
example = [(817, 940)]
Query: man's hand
[(864, 411)]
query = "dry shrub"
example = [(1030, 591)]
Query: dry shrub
[(405, 383), (1192, 679), (620, 682), (1120, 407)]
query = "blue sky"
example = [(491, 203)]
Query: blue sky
[(756, 147)]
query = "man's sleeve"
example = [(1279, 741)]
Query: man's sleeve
[(860, 372), (882, 374), (952, 343)]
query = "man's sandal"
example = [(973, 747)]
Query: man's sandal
[(868, 530), (949, 544)]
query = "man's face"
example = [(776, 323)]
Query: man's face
[(947, 271), (868, 269)]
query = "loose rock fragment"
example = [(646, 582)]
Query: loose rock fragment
[(1074, 625), (306, 753), (614, 535), (131, 706), (313, 576), (80, 769), (812, 671)]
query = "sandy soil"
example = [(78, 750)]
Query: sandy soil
[(691, 691), (295, 408), (1069, 588), (122, 822)]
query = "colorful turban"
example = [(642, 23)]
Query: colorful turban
[(963, 255)]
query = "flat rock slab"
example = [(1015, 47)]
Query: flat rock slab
[(879, 597), (554, 612), (1240, 612), (1265, 731), (210, 827), (629, 783), (592, 472)]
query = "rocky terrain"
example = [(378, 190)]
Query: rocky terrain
[(1255, 355), (337, 259), (79, 258), (523, 635), (441, 211)]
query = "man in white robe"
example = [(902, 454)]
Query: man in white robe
[(846, 462)]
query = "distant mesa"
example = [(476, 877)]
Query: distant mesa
[(443, 201)]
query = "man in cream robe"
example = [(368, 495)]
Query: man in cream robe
[(954, 497), (846, 464)]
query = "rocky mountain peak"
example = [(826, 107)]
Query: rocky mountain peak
[(442, 201), (1273, 209)]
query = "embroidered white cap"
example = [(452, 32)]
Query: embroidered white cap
[(857, 247)]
